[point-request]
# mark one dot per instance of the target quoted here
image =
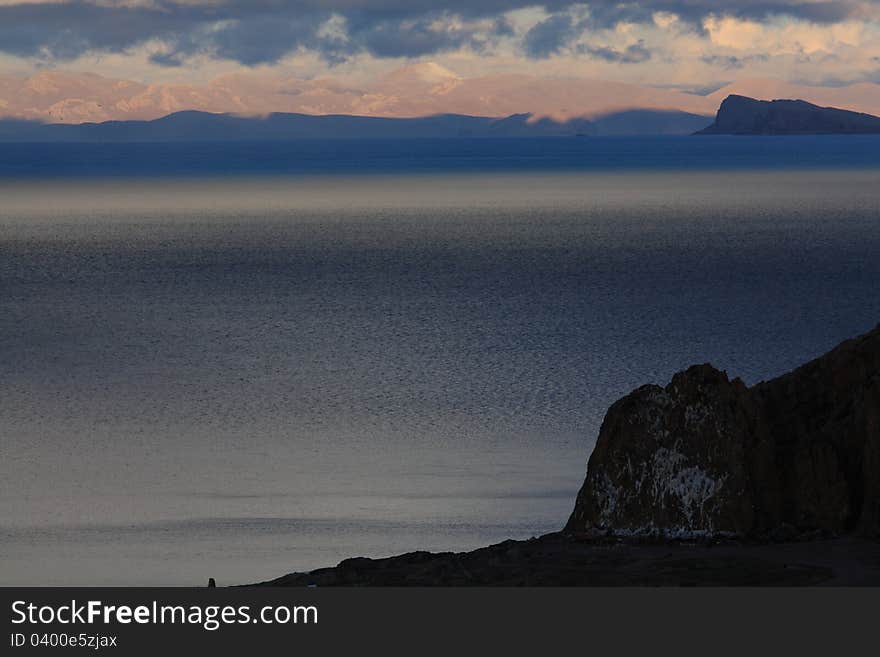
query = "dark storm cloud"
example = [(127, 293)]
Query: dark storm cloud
[(267, 38), (393, 34), (633, 54), (731, 62), (609, 13), (258, 31), (549, 36), (556, 33)]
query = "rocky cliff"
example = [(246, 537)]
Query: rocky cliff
[(707, 456), (739, 115)]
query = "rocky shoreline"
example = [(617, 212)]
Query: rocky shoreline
[(564, 559), (703, 482)]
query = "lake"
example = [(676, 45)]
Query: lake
[(241, 360)]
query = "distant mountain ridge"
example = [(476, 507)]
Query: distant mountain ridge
[(205, 126), (739, 115), (416, 90)]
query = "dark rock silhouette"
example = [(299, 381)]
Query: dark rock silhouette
[(825, 421), (679, 460), (574, 560), (706, 456), (739, 115)]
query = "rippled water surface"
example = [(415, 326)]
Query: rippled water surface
[(246, 376)]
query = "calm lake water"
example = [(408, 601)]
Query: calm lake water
[(237, 376)]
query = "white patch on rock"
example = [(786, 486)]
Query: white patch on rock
[(607, 494), (689, 489)]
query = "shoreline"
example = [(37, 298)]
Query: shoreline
[(562, 559)]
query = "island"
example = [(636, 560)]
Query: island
[(739, 115), (705, 481)]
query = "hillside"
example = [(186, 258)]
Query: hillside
[(739, 115), (205, 126)]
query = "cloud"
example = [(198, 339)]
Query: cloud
[(266, 38), (635, 53), (264, 31), (730, 62), (608, 13), (549, 36)]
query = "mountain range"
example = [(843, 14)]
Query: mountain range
[(738, 115), (418, 90), (193, 125)]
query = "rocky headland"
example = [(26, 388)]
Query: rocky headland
[(708, 456), (740, 115), (705, 481)]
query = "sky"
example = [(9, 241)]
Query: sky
[(686, 44)]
